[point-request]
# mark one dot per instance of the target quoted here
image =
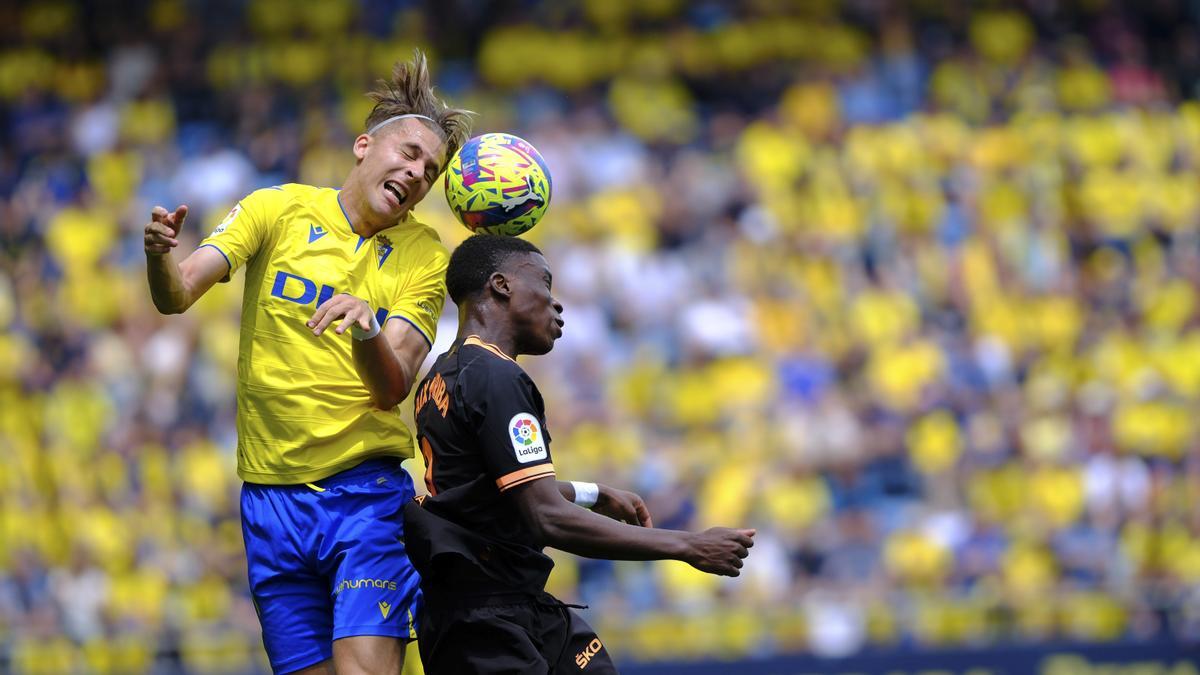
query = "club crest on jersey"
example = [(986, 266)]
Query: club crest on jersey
[(528, 441), (383, 250)]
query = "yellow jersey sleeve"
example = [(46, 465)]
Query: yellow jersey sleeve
[(419, 301), (247, 226)]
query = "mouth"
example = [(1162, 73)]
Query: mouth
[(396, 191)]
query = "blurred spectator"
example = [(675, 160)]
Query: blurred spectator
[(913, 290)]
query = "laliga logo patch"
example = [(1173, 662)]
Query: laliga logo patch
[(525, 432), (526, 438), (228, 219)]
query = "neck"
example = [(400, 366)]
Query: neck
[(486, 323), (362, 219)]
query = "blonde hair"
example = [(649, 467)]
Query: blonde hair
[(410, 92)]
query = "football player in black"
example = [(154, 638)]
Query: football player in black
[(494, 501)]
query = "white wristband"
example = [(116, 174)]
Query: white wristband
[(586, 494), (360, 334)]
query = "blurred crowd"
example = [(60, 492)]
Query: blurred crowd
[(910, 287)]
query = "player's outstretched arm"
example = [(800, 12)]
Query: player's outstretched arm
[(621, 505), (563, 525), (387, 358), (175, 286)]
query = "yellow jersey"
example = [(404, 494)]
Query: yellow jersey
[(303, 412)]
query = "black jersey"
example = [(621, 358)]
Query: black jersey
[(481, 427)]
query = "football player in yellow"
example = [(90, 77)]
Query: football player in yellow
[(343, 293)]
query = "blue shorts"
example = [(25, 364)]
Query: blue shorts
[(326, 561)]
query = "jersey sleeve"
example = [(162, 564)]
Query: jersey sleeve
[(242, 233), (419, 300), (512, 431)]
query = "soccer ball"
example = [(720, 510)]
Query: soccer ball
[(498, 184)]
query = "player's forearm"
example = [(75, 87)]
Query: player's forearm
[(579, 531), (167, 287), (384, 374), (566, 490)]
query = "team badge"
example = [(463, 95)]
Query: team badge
[(383, 251)]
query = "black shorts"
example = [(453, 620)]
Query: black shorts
[(535, 636)]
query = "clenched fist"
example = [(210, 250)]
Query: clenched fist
[(719, 550)]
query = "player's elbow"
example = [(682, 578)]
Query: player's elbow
[(543, 534), (174, 300), (552, 525), (394, 394), (386, 400), (168, 306)]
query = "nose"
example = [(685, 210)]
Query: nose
[(557, 305)]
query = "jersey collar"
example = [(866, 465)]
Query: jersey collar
[(477, 342), (409, 219)]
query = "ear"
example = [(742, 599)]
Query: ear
[(360, 146), (498, 284)]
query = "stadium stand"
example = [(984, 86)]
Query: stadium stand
[(909, 287)]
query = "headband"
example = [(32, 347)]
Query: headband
[(389, 120)]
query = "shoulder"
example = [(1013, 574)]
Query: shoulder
[(482, 367), (301, 191), (414, 227), (278, 197), (419, 245), (416, 234), (286, 192)]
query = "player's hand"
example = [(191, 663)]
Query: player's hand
[(163, 228), (344, 308), (720, 550), (623, 506)]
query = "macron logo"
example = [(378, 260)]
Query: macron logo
[(315, 232)]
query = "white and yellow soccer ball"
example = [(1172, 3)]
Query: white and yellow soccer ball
[(498, 184)]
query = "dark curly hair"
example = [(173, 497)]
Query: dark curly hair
[(477, 259)]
